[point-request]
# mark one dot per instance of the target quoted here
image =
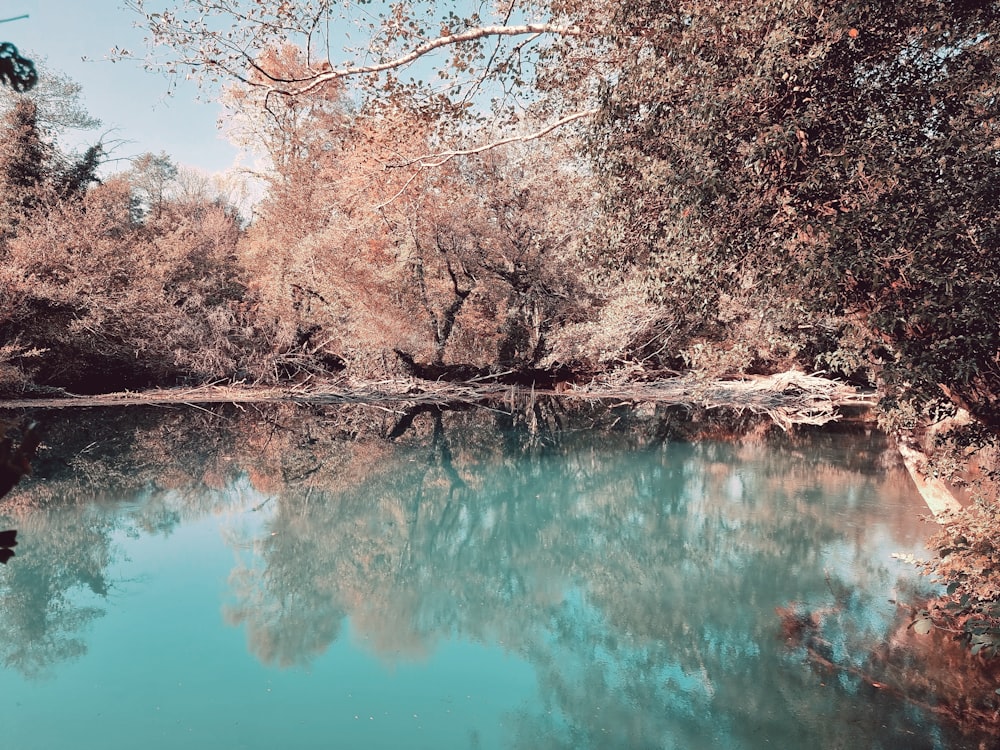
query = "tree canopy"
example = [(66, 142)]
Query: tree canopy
[(843, 155), (811, 182)]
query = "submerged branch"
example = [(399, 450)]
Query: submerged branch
[(932, 489)]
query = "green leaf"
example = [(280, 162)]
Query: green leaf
[(923, 625)]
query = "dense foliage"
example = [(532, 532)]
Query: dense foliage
[(817, 163), (98, 293), (820, 179)]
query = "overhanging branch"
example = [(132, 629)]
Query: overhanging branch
[(469, 35), (436, 160)]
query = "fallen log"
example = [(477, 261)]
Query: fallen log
[(791, 398), (934, 491)]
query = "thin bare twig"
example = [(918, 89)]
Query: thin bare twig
[(442, 157), (469, 35)]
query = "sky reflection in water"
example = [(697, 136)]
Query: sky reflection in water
[(468, 585)]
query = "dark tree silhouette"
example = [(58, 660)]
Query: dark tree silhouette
[(8, 540), (15, 71), (15, 461)]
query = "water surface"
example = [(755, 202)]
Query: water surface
[(292, 578)]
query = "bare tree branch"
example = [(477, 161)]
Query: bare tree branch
[(449, 40), (436, 160)]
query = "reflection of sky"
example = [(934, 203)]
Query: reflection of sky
[(681, 691), (671, 656)]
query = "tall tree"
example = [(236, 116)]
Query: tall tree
[(843, 154), (24, 162), (152, 176), (465, 263)]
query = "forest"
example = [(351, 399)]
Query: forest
[(544, 192)]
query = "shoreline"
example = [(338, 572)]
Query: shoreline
[(788, 398)]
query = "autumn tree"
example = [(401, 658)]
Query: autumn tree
[(101, 324), (531, 215), (151, 177), (837, 159), (363, 251), (76, 312)]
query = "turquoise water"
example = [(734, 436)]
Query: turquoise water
[(163, 670), (473, 583)]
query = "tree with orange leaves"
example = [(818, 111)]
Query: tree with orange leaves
[(360, 249)]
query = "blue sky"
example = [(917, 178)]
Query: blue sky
[(75, 37), (132, 102)]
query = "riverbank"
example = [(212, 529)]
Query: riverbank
[(788, 398)]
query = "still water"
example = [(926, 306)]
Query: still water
[(355, 578)]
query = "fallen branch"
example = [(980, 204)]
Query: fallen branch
[(934, 491), (787, 398)]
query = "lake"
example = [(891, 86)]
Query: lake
[(362, 577)]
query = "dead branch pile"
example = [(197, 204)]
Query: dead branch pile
[(787, 398)]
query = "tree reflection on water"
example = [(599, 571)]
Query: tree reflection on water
[(638, 573)]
